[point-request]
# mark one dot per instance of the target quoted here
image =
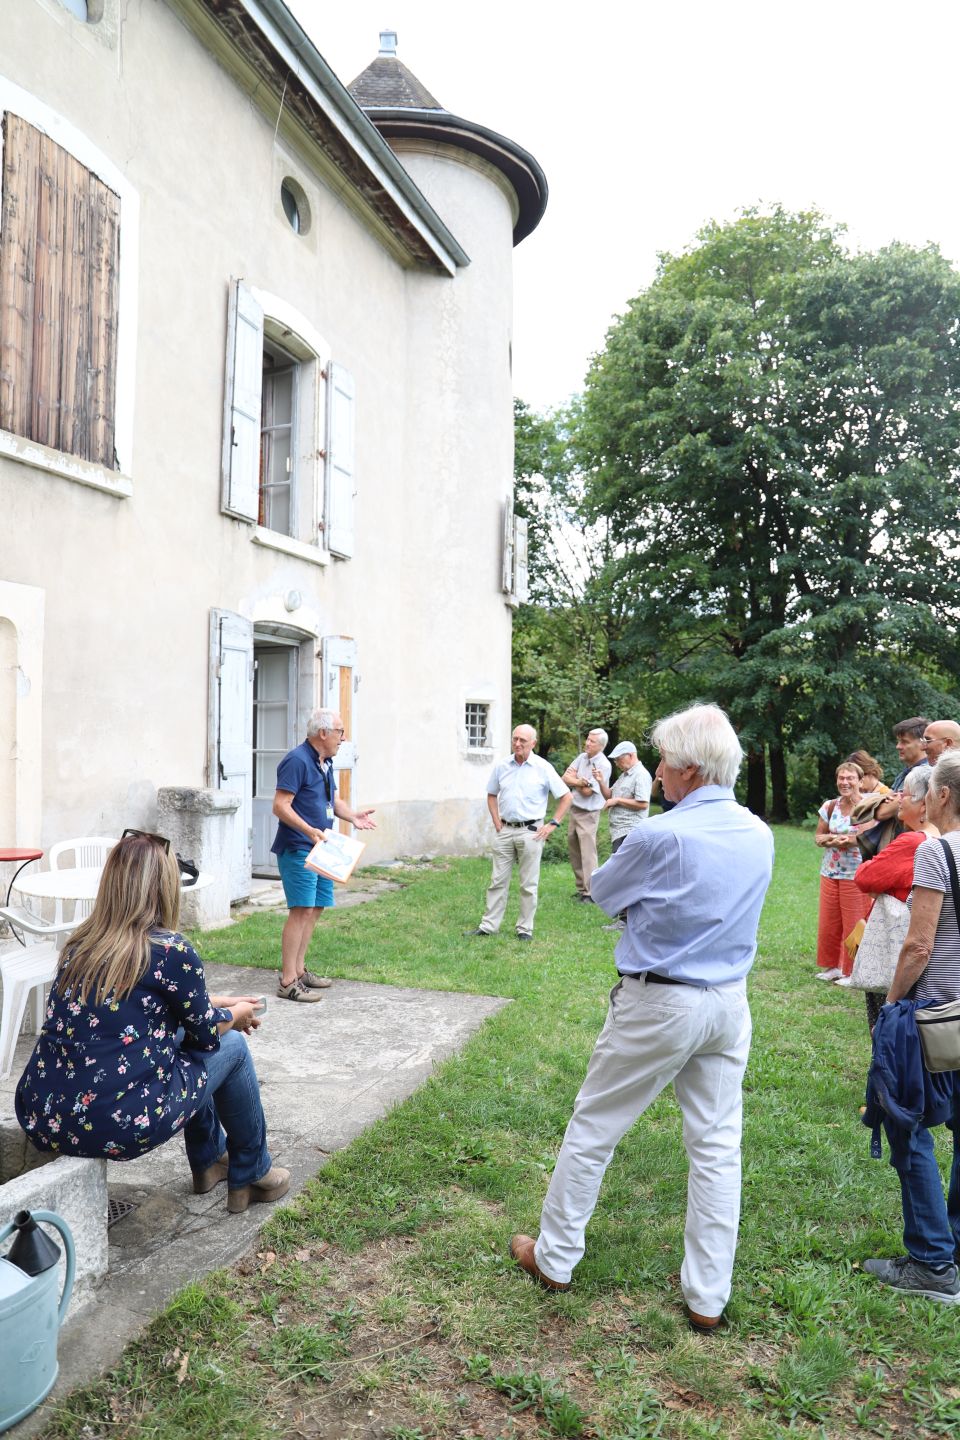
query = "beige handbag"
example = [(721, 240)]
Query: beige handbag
[(879, 950), (939, 1025)]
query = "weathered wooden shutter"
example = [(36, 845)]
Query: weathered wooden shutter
[(339, 686), (340, 462), (231, 733), (506, 574), (242, 402), (59, 294), (521, 574)]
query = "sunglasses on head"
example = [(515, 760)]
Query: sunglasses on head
[(189, 872)]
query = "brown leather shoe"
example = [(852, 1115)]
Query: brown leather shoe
[(272, 1186), (703, 1324), (205, 1180), (521, 1249)]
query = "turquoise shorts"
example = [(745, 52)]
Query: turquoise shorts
[(301, 886)]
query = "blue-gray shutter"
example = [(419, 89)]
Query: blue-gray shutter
[(242, 405), (340, 477)]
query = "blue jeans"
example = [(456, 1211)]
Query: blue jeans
[(232, 1105), (931, 1226)]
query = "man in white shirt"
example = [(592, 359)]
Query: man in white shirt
[(627, 803), (517, 795), (584, 775)]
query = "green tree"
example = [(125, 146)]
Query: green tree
[(774, 424)]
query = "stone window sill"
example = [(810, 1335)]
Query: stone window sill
[(68, 467), (273, 540)]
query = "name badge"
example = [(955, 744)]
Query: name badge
[(329, 812)]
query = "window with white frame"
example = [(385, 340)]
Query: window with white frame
[(288, 462), (515, 575), (477, 724)]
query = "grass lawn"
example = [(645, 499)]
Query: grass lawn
[(382, 1302)]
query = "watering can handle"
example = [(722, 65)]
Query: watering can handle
[(64, 1229)]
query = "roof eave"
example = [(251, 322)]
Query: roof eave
[(260, 40), (518, 166)]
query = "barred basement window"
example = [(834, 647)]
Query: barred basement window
[(477, 716), (59, 291)]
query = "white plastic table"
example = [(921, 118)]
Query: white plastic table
[(80, 883)]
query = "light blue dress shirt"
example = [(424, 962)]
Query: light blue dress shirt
[(523, 790), (692, 882)]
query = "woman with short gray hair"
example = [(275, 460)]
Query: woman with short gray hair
[(929, 969)]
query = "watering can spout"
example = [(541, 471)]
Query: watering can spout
[(32, 1250)]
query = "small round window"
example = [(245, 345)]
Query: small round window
[(296, 207)]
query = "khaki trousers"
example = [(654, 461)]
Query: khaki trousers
[(513, 847), (582, 845)]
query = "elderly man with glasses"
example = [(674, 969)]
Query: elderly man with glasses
[(306, 805), (940, 735)]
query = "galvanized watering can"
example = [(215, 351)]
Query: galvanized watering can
[(31, 1312)]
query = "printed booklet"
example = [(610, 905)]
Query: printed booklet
[(335, 857)]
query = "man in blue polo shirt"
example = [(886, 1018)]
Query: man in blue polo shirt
[(306, 804)]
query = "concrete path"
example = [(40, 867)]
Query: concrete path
[(327, 1071)]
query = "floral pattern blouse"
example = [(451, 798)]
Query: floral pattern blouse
[(838, 864), (111, 1080)]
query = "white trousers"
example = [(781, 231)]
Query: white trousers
[(655, 1034), (513, 846)]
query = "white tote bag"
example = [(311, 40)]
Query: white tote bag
[(883, 938)]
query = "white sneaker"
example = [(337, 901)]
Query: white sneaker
[(845, 981), (833, 974)]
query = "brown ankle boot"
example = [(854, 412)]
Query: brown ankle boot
[(273, 1186), (205, 1180)]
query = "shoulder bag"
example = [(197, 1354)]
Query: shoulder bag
[(939, 1025), (879, 949)]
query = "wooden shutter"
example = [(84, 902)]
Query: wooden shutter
[(340, 682), (340, 462), (506, 574), (231, 733), (521, 575), (59, 292), (242, 403)]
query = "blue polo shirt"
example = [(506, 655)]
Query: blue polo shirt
[(310, 781)]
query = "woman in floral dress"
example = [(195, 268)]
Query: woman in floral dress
[(841, 903), (134, 1051)]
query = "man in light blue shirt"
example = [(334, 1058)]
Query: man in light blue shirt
[(517, 795), (693, 883)]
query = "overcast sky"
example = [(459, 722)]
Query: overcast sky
[(651, 118)]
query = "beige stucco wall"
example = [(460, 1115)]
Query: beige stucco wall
[(129, 583)]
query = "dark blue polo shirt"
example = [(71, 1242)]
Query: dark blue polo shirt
[(310, 780)]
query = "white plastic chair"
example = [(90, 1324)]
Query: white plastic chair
[(87, 851), (25, 971)]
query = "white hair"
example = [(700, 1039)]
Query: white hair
[(320, 720), (946, 772), (700, 736), (917, 783), (604, 737)]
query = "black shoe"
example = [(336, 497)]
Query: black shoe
[(913, 1278), (587, 900), (478, 931), (522, 935)]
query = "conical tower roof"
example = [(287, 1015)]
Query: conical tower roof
[(402, 108)]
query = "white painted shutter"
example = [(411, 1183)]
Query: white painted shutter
[(231, 733), (340, 463), (242, 402), (506, 574), (521, 574), (340, 652)]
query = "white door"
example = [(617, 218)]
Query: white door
[(274, 733), (340, 684), (231, 733)]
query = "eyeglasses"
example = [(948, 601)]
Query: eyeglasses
[(189, 871), (148, 835)]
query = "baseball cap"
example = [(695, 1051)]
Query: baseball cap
[(626, 747)]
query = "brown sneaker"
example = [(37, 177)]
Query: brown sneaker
[(297, 991), (315, 982), (273, 1186), (205, 1180), (521, 1249)]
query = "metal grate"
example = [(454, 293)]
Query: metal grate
[(116, 1209), (476, 717)]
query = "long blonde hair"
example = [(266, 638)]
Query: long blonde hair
[(139, 893)]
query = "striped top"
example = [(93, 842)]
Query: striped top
[(941, 979)]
